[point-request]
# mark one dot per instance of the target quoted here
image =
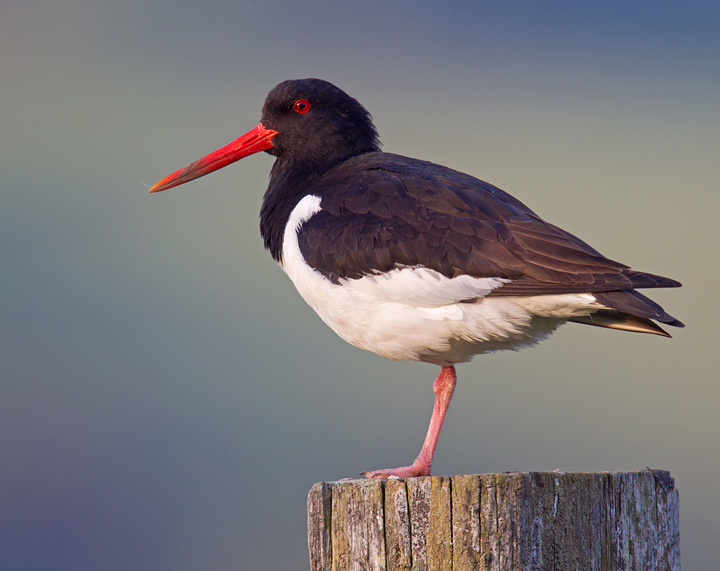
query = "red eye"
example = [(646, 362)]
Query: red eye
[(301, 106)]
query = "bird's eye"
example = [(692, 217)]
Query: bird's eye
[(301, 106)]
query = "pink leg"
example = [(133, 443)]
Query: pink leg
[(443, 387)]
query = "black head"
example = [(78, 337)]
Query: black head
[(310, 126), (318, 124)]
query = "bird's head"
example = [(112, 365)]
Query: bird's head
[(317, 122), (308, 124)]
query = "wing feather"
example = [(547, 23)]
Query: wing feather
[(382, 212)]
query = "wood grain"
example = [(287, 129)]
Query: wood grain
[(555, 521)]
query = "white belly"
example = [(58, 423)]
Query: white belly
[(418, 314)]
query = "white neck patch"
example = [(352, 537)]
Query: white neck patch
[(304, 210)]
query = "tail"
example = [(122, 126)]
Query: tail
[(630, 310)]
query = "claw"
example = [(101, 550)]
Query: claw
[(416, 469)]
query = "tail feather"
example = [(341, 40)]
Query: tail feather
[(630, 310), (634, 303), (623, 321)]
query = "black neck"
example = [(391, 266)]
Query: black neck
[(293, 173), (288, 185)]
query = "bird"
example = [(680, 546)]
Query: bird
[(412, 260)]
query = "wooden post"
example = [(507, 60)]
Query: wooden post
[(531, 520)]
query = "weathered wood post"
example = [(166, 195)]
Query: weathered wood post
[(533, 520)]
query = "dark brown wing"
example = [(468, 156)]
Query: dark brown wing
[(381, 211)]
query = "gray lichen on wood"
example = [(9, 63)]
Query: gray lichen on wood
[(534, 520)]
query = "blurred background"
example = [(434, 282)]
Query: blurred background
[(166, 397)]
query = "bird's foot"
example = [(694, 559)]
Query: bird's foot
[(416, 469)]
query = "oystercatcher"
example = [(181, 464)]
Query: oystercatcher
[(413, 260)]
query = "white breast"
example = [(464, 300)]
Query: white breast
[(419, 314)]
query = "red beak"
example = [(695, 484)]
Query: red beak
[(254, 141)]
